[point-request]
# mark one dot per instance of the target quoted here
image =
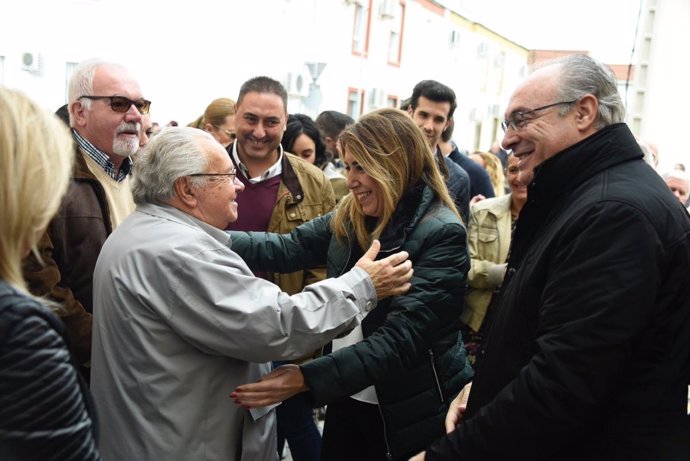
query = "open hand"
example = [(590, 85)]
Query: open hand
[(391, 276), (280, 384)]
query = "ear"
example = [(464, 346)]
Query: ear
[(586, 112), (78, 113), (445, 127), (410, 110), (185, 192), (208, 127)]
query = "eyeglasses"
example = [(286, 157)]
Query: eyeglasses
[(231, 134), (122, 104), (228, 176), (520, 119)]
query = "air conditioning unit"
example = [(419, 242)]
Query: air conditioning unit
[(296, 85), (387, 9), (31, 62)]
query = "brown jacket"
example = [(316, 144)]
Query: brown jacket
[(69, 249), (304, 193)]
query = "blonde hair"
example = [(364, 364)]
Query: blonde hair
[(394, 152), (494, 167), (35, 163), (215, 113)]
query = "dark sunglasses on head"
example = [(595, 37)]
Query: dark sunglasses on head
[(122, 104)]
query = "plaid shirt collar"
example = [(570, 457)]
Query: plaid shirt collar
[(103, 160)]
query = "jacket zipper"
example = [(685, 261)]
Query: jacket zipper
[(433, 369), (389, 456)]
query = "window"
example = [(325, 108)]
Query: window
[(392, 101), (396, 34), (360, 35), (355, 102)]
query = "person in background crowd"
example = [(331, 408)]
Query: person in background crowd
[(491, 224), (179, 319), (493, 167), (219, 120), (331, 123), (106, 112), (433, 121), (302, 138), (387, 383), (679, 166), (432, 106), (499, 152), (280, 193), (679, 184), (45, 409), (588, 354)]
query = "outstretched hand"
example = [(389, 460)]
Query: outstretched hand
[(280, 384), (391, 275)]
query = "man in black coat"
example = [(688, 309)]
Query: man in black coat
[(589, 353)]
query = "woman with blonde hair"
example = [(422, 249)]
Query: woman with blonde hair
[(45, 410), (388, 382), (492, 164), (219, 120)]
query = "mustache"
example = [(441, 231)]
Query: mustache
[(132, 126)]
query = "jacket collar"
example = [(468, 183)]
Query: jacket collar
[(288, 175), (566, 170), (412, 206)]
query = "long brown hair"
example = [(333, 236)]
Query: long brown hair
[(394, 152)]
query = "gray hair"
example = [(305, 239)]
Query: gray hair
[(173, 153), (677, 174), (581, 75), (81, 82)]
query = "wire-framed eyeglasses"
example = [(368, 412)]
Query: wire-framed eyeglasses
[(520, 119), (228, 176)]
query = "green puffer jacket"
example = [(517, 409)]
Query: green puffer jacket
[(412, 349)]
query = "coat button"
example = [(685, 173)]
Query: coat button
[(292, 215), (369, 306)]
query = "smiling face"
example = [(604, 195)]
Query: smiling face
[(260, 122), (432, 118), (216, 203), (545, 133), (365, 190), (517, 188), (116, 134)]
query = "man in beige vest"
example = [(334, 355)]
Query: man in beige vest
[(106, 110)]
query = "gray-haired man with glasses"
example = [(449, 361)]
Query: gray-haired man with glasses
[(106, 111), (588, 356)]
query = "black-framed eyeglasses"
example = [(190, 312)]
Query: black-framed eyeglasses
[(231, 134), (122, 104), (520, 119), (228, 176)]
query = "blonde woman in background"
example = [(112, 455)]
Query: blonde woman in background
[(219, 120), (45, 410), (492, 164)]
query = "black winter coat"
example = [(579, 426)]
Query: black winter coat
[(412, 349), (589, 353)]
